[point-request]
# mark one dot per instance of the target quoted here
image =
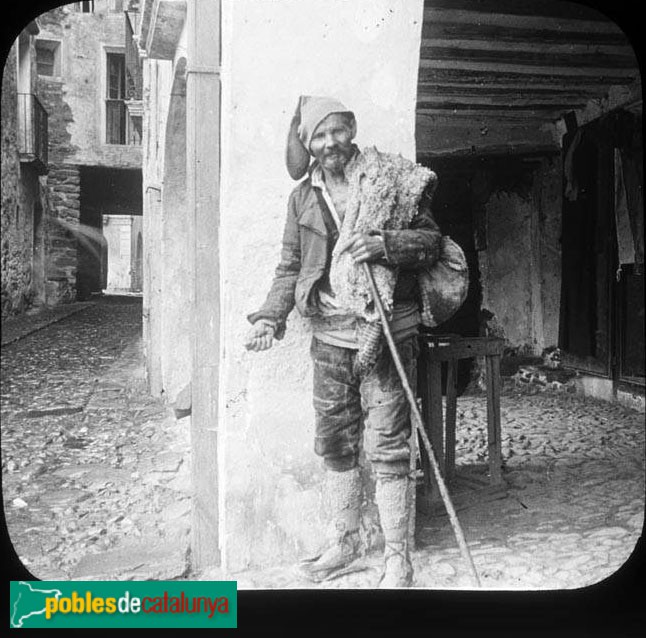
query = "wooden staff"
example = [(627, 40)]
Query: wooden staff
[(419, 424)]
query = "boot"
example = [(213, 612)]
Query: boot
[(391, 500), (343, 492)]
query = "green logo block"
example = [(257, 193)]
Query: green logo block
[(84, 604)]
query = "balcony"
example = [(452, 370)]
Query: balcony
[(32, 132)]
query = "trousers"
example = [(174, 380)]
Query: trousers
[(373, 406)]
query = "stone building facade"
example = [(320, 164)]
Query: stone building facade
[(94, 139), (24, 166)]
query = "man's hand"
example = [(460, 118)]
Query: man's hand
[(260, 337), (363, 247)]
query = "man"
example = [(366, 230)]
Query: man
[(345, 400)]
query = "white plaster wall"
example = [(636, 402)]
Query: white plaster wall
[(175, 295), (365, 53), (158, 80)]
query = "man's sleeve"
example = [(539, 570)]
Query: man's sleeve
[(280, 300), (420, 243)]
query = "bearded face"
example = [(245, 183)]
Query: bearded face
[(331, 142)]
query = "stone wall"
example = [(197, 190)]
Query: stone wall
[(14, 285), (62, 256), (21, 201)]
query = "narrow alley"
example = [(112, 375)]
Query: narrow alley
[(96, 473)]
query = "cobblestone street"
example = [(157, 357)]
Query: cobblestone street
[(96, 474), (573, 511), (93, 472)]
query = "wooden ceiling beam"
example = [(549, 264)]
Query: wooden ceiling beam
[(529, 48), (551, 8), (488, 75), (494, 88), (508, 21), (566, 68), (518, 33), (446, 133), (458, 54), (502, 101), (480, 107), (488, 112)]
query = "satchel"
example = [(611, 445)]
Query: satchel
[(444, 285)]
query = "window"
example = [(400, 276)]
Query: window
[(48, 61), (115, 99)]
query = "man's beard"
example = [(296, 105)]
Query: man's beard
[(335, 160)]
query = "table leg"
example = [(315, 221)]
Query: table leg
[(431, 395), (451, 410), (436, 425), (493, 418), (424, 392)]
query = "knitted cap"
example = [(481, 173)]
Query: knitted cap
[(313, 111)]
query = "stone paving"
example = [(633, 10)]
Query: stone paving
[(574, 508), (96, 475), (15, 328), (95, 482)]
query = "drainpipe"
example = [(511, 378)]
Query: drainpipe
[(203, 187)]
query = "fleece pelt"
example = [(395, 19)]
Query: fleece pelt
[(384, 193)]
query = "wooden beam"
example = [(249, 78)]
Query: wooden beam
[(493, 418), (482, 133), (517, 33), (487, 75), (526, 149), (485, 102), (535, 57), (488, 119), (520, 114), (505, 95), (502, 97), (551, 8), (514, 89), (453, 16), (452, 60), (531, 48)]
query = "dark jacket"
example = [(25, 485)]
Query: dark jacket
[(308, 241)]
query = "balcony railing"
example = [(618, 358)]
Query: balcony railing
[(32, 131)]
